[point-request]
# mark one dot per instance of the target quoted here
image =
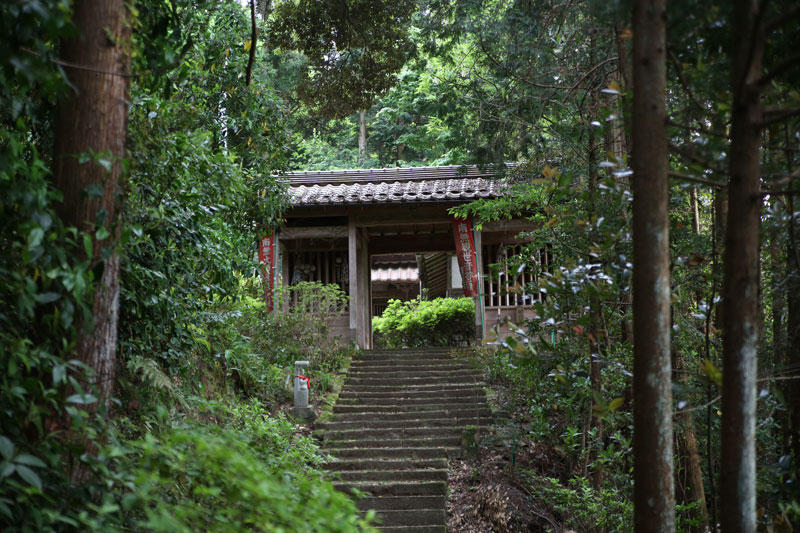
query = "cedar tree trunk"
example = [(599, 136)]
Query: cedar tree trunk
[(92, 119), (654, 493), (741, 279)]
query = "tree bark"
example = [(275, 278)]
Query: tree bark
[(792, 389), (362, 137), (741, 279), (595, 362), (92, 120), (689, 454), (251, 59), (688, 450), (695, 211), (654, 493)]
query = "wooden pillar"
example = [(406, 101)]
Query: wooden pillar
[(285, 276), (479, 305), (352, 271), (364, 312)]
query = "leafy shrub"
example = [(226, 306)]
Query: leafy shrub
[(583, 507), (251, 472), (301, 331), (414, 323)]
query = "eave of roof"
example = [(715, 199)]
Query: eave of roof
[(411, 185)]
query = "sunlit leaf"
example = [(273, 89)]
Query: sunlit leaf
[(30, 476)]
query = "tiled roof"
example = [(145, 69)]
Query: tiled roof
[(392, 185)]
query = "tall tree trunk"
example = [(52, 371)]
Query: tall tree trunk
[(654, 493), (721, 229), (362, 137), (401, 146), (251, 59), (792, 389), (92, 119), (689, 453), (688, 450), (595, 361), (695, 211), (741, 280)]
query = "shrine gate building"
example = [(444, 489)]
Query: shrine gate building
[(386, 233)]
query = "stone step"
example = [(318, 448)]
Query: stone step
[(405, 387), (411, 364), (445, 376), (406, 358), (414, 529), (391, 424), (453, 409), (420, 488), (428, 474), (398, 419), (442, 401), (364, 366), (385, 464), (363, 413), (415, 517), (393, 433), (411, 382), (410, 442), (401, 503), (403, 351), (463, 392), (393, 453)]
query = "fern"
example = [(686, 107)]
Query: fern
[(150, 373)]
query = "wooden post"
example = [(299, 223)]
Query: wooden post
[(352, 270), (479, 307), (363, 313), (285, 275)]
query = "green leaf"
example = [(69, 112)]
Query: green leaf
[(87, 244), (59, 374), (105, 163), (711, 372), (47, 297), (6, 447), (6, 469), (95, 190), (35, 238), (5, 509), (616, 403), (30, 460), (30, 476), (101, 233), (82, 399)]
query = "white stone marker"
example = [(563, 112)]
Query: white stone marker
[(301, 407)]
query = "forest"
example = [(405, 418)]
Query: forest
[(656, 151)]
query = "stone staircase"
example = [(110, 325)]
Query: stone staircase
[(400, 415)]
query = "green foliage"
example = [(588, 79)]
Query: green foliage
[(302, 333), (353, 49), (250, 471), (582, 507), (414, 323)]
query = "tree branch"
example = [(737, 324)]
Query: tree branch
[(701, 129), (774, 115), (253, 41), (686, 87), (781, 19), (696, 179), (780, 68), (692, 156)]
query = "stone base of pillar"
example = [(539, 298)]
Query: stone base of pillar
[(304, 413)]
